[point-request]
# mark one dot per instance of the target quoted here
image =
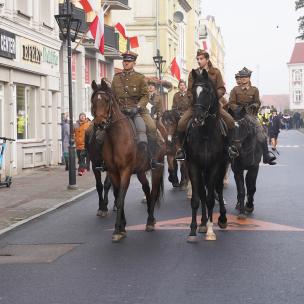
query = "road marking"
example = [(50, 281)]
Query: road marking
[(234, 224)]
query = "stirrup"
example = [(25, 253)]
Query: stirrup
[(154, 164), (101, 168), (180, 155), (233, 152)]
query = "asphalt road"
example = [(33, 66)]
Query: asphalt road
[(67, 256)]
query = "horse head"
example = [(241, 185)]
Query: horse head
[(101, 103), (204, 97), (170, 121)]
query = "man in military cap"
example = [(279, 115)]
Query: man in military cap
[(215, 76), (155, 104), (130, 89), (181, 101), (247, 96), (238, 79)]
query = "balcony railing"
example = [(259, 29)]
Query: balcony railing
[(110, 37), (117, 4)]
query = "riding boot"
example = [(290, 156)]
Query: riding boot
[(153, 149), (232, 142), (268, 157), (180, 153)]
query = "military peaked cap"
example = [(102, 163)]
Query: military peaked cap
[(237, 75), (129, 56), (245, 72), (202, 52), (152, 82)]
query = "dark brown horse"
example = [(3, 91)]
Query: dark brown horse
[(170, 121), (123, 157)]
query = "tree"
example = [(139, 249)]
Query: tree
[(299, 5)]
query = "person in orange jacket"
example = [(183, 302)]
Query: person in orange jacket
[(79, 132)]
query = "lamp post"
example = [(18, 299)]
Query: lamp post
[(69, 28), (159, 63)]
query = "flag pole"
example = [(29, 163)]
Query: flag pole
[(86, 32)]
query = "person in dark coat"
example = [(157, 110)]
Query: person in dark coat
[(66, 139), (274, 129)]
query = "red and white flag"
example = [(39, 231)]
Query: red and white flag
[(136, 41), (97, 31), (89, 5), (121, 30), (175, 69)]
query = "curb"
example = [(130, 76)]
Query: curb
[(57, 206)]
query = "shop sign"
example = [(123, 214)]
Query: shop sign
[(7, 44), (50, 56), (31, 53)]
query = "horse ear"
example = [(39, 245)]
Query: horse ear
[(205, 74), (194, 74), (94, 86), (104, 86)]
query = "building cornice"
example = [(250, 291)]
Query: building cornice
[(185, 5)]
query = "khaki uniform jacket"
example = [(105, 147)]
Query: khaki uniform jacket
[(217, 79), (130, 89), (242, 96), (181, 102), (155, 100)]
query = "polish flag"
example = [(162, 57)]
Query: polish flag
[(175, 70), (136, 41), (97, 31), (121, 30), (89, 5)]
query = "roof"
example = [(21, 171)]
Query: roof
[(298, 53), (280, 102)]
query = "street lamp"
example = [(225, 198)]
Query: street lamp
[(159, 63), (69, 28)]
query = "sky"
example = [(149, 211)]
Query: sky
[(258, 34)]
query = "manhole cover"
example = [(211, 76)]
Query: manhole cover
[(37, 253)]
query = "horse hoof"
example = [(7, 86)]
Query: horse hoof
[(118, 237), (192, 239), (222, 225), (210, 237), (150, 227), (202, 229), (102, 213), (249, 209), (242, 216)]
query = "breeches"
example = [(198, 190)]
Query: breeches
[(140, 128), (183, 122), (150, 125)]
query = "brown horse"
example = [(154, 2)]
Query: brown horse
[(170, 121), (123, 156)]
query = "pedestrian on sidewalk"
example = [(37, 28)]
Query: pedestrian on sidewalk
[(274, 129), (66, 139), (79, 131)]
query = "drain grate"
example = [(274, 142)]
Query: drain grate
[(33, 253)]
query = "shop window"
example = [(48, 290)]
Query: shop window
[(26, 121), (1, 108)]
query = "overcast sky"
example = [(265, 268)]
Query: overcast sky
[(258, 34)]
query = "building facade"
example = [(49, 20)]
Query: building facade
[(30, 101), (211, 40), (155, 22), (296, 73)]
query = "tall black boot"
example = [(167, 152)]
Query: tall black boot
[(268, 157), (153, 148), (180, 153)]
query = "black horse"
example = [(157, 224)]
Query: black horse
[(205, 156), (250, 154)]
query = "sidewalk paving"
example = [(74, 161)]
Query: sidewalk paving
[(38, 192)]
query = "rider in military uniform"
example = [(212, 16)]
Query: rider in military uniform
[(247, 96), (181, 101), (155, 102), (130, 89), (238, 79), (215, 76)]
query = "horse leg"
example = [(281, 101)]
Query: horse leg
[(203, 226), (107, 187), (156, 196), (195, 178), (251, 178), (184, 175), (239, 180), (210, 235), (171, 169), (219, 186), (120, 225), (102, 207)]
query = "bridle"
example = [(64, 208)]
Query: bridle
[(204, 112)]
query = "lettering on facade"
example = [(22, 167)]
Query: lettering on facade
[(50, 56), (31, 53), (7, 44)]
